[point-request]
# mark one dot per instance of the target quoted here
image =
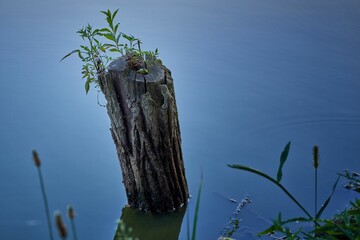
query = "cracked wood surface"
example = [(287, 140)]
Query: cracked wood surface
[(146, 132)]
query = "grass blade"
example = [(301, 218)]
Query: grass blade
[(283, 158), (257, 172), (318, 215), (197, 210), (67, 55)]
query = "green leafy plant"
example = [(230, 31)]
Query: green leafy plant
[(279, 225), (234, 223), (353, 179), (345, 225), (104, 45)]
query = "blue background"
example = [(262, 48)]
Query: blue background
[(250, 75)]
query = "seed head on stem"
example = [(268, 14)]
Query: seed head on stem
[(36, 158), (71, 212), (316, 156), (60, 225)]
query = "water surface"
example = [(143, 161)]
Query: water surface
[(249, 77)]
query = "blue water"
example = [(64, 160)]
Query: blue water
[(250, 76)]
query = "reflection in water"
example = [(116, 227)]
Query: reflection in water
[(147, 226)]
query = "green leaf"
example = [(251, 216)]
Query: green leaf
[(85, 48), (318, 215), (116, 28), (81, 56), (298, 219), (105, 30), (114, 14), (95, 32), (69, 54), (114, 50), (283, 158), (106, 13), (143, 71), (130, 38), (118, 38), (87, 85), (109, 36), (97, 41), (275, 227)]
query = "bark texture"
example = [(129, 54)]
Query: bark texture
[(145, 129)]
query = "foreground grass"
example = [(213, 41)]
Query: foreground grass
[(345, 225)]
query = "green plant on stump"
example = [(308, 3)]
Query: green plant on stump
[(106, 44)]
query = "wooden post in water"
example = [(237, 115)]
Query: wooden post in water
[(145, 129)]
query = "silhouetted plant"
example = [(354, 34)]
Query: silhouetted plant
[(196, 213), (353, 179), (234, 222), (60, 226), (279, 225), (71, 216), (37, 163)]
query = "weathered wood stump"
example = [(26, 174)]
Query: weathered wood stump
[(145, 129)]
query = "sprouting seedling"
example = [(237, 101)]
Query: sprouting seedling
[(71, 216), (37, 163), (93, 55), (60, 226), (97, 55), (112, 32)]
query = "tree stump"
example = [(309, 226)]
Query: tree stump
[(145, 129)]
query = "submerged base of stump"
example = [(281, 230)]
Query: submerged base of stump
[(145, 129)]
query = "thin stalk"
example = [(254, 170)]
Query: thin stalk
[(45, 202), (71, 216), (193, 237), (73, 228)]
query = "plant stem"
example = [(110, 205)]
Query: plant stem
[(45, 202), (73, 228)]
